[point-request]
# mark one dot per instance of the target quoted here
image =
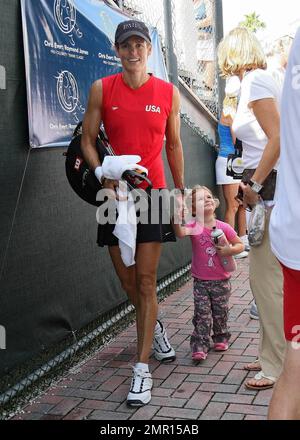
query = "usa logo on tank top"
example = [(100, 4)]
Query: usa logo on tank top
[(152, 108)]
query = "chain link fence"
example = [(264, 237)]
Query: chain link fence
[(85, 342), (194, 36), (187, 21)]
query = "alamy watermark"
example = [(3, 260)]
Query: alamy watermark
[(148, 207), (2, 338), (296, 338)]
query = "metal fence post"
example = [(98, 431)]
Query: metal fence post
[(2, 78), (218, 37), (172, 64)]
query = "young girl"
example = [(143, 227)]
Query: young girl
[(211, 282)]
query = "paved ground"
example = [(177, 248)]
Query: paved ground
[(212, 389)]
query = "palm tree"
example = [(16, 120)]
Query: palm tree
[(253, 22)]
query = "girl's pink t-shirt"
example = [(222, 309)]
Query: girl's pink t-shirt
[(206, 264)]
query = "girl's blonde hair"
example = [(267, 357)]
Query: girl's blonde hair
[(204, 188), (240, 51)]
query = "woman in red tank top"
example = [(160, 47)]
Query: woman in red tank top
[(138, 110)]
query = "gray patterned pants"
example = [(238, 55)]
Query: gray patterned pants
[(211, 311)]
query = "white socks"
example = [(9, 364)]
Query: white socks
[(143, 367)]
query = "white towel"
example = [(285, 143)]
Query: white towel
[(126, 226), (113, 167)]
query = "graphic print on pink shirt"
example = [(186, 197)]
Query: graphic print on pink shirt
[(211, 252), (206, 264)]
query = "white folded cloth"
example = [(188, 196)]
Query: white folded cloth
[(126, 226), (113, 167)]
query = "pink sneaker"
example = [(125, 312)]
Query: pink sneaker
[(221, 346), (199, 356)]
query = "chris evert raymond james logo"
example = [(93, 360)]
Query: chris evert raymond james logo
[(65, 18), (68, 94), (2, 338)]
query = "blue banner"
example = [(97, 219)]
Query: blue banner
[(68, 44)]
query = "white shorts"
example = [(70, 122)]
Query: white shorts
[(221, 177)]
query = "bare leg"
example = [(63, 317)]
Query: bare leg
[(242, 224), (139, 282), (127, 277), (230, 191), (147, 259), (125, 274), (285, 403)]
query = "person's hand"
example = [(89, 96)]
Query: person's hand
[(180, 205), (181, 213), (250, 197), (113, 167), (111, 189), (224, 251)]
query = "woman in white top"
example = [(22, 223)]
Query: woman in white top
[(285, 240), (257, 125)]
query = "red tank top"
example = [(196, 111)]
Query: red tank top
[(135, 121)]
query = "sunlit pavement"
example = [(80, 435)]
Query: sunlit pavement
[(213, 389)]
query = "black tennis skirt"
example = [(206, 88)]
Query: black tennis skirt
[(160, 231)]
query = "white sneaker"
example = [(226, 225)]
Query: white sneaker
[(162, 348), (140, 388), (243, 254), (246, 242)]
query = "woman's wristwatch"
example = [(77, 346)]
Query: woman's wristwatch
[(256, 187)]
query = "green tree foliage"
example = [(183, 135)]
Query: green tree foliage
[(253, 22)]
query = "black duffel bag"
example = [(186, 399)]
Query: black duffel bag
[(82, 179)]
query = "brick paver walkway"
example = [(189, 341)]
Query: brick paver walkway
[(212, 389)]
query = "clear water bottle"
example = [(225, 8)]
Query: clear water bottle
[(219, 239)]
